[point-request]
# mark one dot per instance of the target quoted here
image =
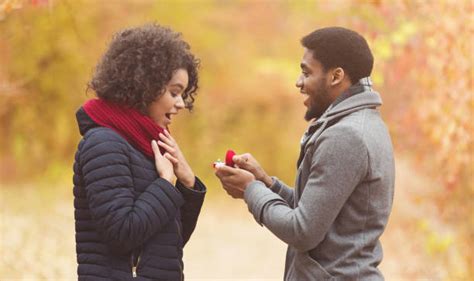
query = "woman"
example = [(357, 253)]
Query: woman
[(131, 220)]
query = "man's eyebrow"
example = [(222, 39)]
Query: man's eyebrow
[(303, 65)]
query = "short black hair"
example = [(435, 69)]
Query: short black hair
[(138, 64), (341, 47)]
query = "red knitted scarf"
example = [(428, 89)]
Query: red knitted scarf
[(138, 129)]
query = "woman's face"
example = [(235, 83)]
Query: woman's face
[(171, 102)]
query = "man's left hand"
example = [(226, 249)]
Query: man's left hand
[(234, 180)]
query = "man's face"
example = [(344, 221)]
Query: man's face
[(313, 83)]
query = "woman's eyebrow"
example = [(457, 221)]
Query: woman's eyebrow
[(177, 85)]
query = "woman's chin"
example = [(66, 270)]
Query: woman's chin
[(164, 123)]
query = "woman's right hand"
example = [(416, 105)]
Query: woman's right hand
[(163, 166)]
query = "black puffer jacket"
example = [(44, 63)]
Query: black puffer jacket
[(125, 214)]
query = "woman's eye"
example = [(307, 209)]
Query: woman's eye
[(174, 94), (305, 74)]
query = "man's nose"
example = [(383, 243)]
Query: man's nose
[(299, 82)]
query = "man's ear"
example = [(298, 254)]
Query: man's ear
[(337, 76)]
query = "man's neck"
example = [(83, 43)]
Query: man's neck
[(340, 89)]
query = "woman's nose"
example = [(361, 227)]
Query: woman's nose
[(180, 103)]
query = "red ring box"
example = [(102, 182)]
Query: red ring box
[(228, 158)]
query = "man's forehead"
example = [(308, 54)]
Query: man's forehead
[(308, 59), (307, 53)]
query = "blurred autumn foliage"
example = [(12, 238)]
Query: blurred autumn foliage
[(250, 56)]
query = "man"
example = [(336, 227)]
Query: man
[(333, 218)]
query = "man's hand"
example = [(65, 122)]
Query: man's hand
[(247, 162), (234, 180)]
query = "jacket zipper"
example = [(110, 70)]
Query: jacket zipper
[(180, 268), (134, 266)]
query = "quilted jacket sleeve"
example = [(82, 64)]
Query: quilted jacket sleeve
[(192, 206), (124, 222)]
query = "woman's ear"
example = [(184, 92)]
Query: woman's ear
[(337, 76)]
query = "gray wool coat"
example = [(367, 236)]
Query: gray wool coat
[(332, 220)]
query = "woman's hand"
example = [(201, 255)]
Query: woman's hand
[(162, 163), (181, 167)]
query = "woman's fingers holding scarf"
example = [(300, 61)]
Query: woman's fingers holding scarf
[(155, 148), (167, 134), (172, 159), (166, 138), (182, 170), (167, 147), (163, 166)]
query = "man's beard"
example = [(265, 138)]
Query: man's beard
[(319, 102)]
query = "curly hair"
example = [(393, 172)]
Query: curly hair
[(341, 47), (138, 64)]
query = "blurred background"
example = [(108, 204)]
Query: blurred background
[(247, 101)]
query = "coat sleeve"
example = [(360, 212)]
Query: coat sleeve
[(193, 199), (339, 163), (284, 191), (123, 221)]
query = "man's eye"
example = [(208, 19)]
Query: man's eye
[(305, 74), (174, 94)]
